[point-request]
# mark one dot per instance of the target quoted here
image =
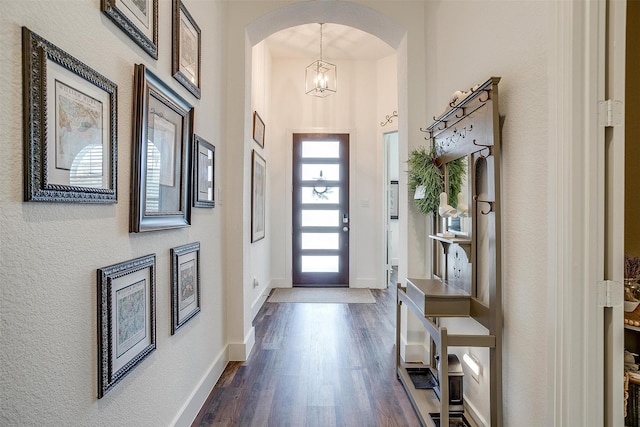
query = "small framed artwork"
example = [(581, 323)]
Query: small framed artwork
[(126, 318), (393, 199), (138, 19), (185, 284), (186, 52), (163, 129), (70, 129), (203, 165), (258, 193), (258, 129)]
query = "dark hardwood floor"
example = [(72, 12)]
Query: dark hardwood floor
[(315, 365)]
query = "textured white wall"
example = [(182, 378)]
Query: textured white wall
[(467, 42), (50, 251)]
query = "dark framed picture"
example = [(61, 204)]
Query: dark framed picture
[(258, 129), (185, 284), (203, 166), (393, 199), (126, 318), (258, 193), (70, 115), (186, 49), (138, 19), (163, 129)]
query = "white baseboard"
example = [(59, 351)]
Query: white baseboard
[(280, 283), (194, 403), (414, 352), (474, 414), (257, 304), (240, 352), (371, 283)]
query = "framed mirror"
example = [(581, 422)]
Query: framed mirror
[(163, 129), (458, 184)]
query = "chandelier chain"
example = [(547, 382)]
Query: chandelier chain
[(321, 41)]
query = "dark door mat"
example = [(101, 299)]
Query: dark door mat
[(455, 420), (422, 378)]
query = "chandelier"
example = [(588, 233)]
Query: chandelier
[(321, 77)]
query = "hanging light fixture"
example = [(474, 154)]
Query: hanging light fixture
[(321, 77)]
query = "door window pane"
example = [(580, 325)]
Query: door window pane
[(316, 149), (331, 195), (320, 240), (318, 218), (319, 264), (312, 172)]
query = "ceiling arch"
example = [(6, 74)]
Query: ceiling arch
[(328, 11)]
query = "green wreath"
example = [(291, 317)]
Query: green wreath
[(425, 171)]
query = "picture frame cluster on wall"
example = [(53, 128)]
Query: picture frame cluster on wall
[(258, 181), (127, 309), (70, 155)]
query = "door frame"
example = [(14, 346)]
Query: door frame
[(584, 232), (385, 257), (343, 275), (288, 273)]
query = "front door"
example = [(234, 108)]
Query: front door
[(320, 210)]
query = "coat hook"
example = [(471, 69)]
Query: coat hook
[(475, 198), (489, 149)]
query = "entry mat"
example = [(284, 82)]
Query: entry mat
[(422, 378), (455, 420), (323, 295)]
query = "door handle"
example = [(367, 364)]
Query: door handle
[(345, 228)]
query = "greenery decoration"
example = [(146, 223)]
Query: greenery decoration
[(457, 170), (425, 171)]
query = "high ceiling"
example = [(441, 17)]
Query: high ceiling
[(338, 42)]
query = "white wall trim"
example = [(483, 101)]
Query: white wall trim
[(260, 300), (575, 362), (414, 352), (370, 282), (199, 395), (240, 351)]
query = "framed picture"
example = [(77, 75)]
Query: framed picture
[(393, 199), (186, 49), (163, 129), (258, 129), (203, 166), (185, 284), (138, 19), (126, 318), (70, 115), (258, 193)]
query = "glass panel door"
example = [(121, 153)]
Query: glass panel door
[(320, 210)]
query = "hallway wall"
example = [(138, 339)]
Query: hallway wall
[(50, 251), (469, 42)]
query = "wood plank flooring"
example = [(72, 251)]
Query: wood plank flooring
[(315, 365)]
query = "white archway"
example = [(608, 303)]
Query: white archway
[(243, 302)]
